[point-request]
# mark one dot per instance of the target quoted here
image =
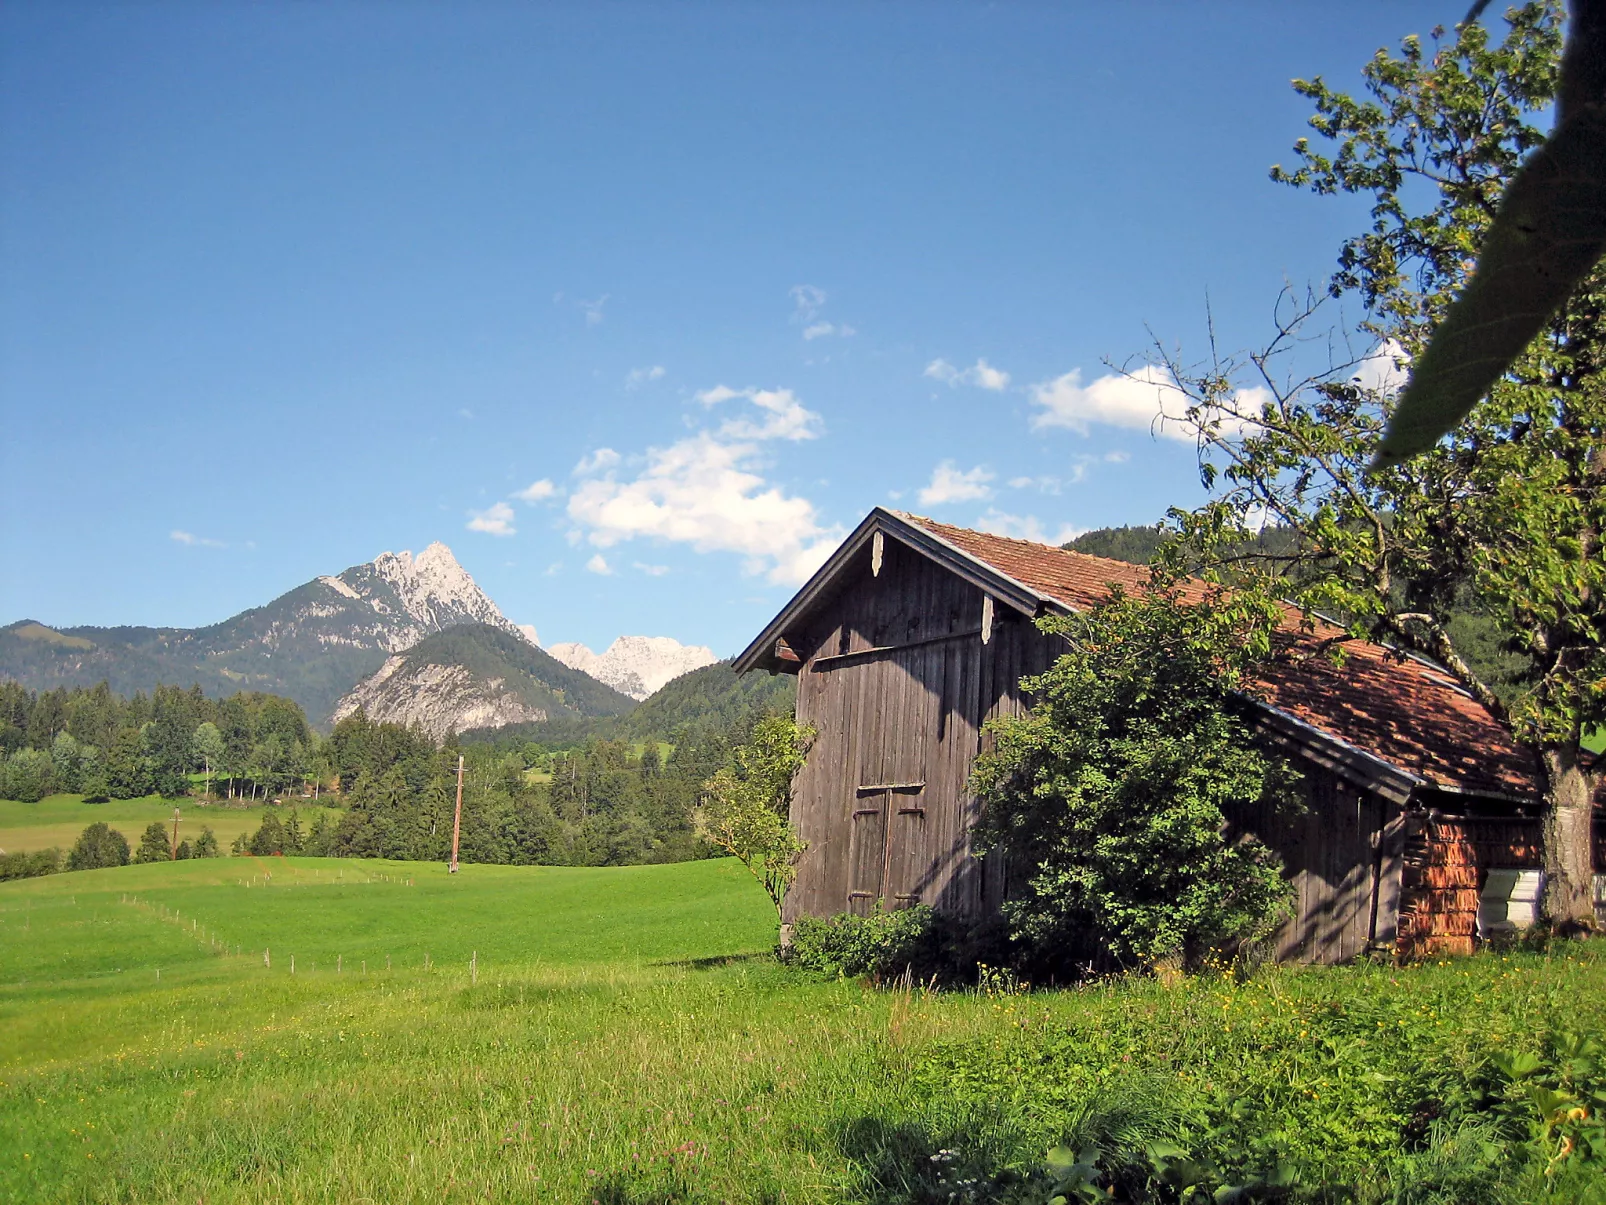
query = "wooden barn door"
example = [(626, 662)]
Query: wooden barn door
[(888, 854)]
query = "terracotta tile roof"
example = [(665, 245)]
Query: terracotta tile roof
[(1406, 713)]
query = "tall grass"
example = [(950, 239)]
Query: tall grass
[(630, 1040)]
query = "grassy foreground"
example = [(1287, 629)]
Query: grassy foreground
[(623, 1036), (59, 819)]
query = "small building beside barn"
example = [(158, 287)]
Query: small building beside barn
[(1421, 831)]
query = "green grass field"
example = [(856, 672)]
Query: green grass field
[(59, 819), (625, 1036)]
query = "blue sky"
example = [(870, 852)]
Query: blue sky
[(636, 307)]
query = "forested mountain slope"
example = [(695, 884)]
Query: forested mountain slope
[(478, 676)]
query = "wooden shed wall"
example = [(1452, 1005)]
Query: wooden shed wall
[(1344, 858), (898, 682)]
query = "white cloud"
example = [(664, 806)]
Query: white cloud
[(593, 309), (1147, 400), (1384, 370), (980, 374), (806, 302), (555, 568), (494, 520), (651, 570), (1117, 457), (191, 540), (536, 491), (817, 329), (949, 484), (599, 564), (596, 462), (784, 416), (637, 377), (706, 491), (1047, 484), (1025, 527), (465, 412)]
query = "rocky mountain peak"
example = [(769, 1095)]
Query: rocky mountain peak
[(431, 590), (636, 665)]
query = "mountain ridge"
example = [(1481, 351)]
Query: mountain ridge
[(313, 643)]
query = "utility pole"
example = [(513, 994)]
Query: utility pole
[(173, 851), (457, 818)]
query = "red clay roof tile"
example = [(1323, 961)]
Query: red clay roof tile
[(1409, 714)]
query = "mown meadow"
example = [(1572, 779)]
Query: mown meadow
[(59, 819), (624, 1035)]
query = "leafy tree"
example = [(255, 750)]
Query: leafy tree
[(746, 804), (1506, 517), (269, 837), (155, 844), (207, 746), (97, 846), (1546, 238), (127, 775), (206, 844), (27, 776), (67, 761), (1123, 795)]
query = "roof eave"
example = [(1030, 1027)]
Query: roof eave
[(760, 654)]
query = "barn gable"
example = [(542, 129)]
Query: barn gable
[(914, 634)]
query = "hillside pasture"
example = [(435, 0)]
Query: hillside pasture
[(58, 819), (623, 1035)]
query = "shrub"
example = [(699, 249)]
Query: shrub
[(98, 845), (206, 844), (916, 941), (154, 845), (1117, 792), (30, 865), (27, 776)]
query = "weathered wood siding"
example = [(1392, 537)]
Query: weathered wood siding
[(897, 682), (1344, 858)]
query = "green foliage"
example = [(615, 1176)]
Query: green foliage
[(99, 846), (27, 865), (206, 844), (746, 804), (1505, 519), (155, 844), (28, 775), (1546, 237), (882, 944), (678, 1063), (1121, 797), (694, 708)]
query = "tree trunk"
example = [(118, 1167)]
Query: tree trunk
[(1569, 840)]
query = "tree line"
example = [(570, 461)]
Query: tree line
[(602, 802), (89, 741)]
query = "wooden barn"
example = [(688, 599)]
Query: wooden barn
[(1421, 832)]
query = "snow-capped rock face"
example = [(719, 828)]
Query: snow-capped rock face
[(441, 699), (636, 665)]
